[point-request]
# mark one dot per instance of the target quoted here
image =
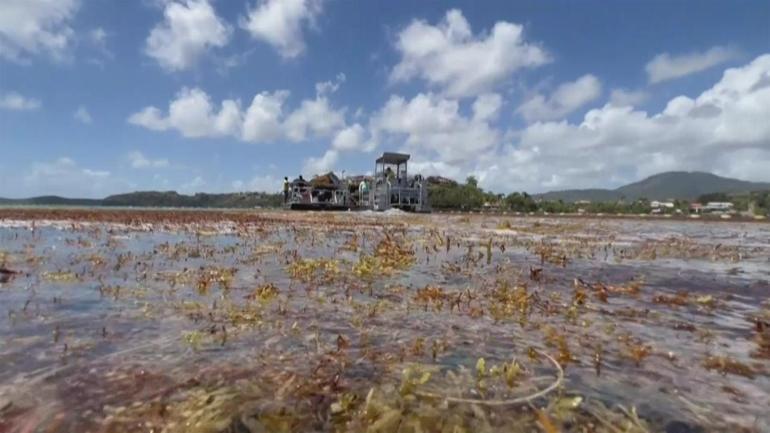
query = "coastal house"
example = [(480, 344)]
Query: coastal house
[(696, 208), (655, 204), (718, 206)]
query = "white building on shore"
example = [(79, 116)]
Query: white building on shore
[(718, 206), (655, 204)]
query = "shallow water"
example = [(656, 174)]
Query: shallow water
[(105, 317)]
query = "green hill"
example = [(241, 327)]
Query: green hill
[(158, 199), (174, 199), (50, 200), (669, 185)]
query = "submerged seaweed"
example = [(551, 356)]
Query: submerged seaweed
[(211, 322)]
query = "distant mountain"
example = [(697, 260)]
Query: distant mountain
[(573, 195), (51, 200), (174, 199), (670, 185), (159, 199)]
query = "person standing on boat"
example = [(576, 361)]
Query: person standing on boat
[(363, 191), (390, 176)]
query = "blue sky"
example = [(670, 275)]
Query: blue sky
[(106, 96)]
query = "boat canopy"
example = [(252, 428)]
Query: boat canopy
[(392, 158)]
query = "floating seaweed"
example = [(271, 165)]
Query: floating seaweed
[(267, 321)]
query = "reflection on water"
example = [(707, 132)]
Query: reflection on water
[(110, 327)]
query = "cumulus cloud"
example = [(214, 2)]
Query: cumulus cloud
[(430, 124), (194, 115), (263, 120), (314, 116), (324, 164), (280, 23), (352, 138), (711, 132), (16, 102), (150, 118), (665, 66), (188, 30), (567, 98), (36, 27), (138, 160), (449, 57), (83, 116), (437, 168), (723, 130), (745, 164)]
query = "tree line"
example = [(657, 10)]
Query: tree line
[(469, 196)]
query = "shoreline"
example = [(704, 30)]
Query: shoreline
[(133, 214)]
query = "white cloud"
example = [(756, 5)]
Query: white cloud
[(746, 164), (138, 160), (723, 130), (437, 168), (16, 102), (324, 164), (150, 118), (429, 124), (623, 97), (262, 121), (448, 56), (32, 27), (668, 67), (193, 115), (352, 138), (567, 98), (83, 116), (315, 116), (280, 23), (65, 177), (189, 29), (329, 87)]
